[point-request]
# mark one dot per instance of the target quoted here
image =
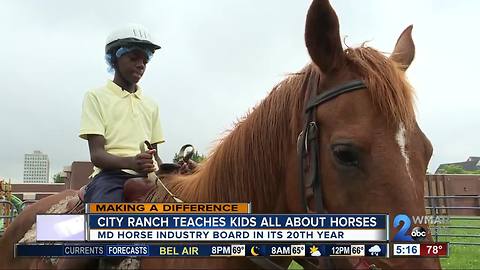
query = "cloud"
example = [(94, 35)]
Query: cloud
[(375, 249)]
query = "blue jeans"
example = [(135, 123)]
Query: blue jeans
[(107, 187)]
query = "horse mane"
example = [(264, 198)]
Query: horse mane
[(390, 92), (248, 162)]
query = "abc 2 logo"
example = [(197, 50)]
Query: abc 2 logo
[(417, 233)]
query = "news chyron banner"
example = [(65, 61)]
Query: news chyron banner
[(223, 229), (227, 223)]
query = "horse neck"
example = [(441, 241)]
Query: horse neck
[(250, 163)]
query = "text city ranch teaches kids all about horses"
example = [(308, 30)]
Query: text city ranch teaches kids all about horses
[(327, 171)]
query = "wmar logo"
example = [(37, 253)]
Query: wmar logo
[(417, 234)]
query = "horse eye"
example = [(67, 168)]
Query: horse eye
[(346, 155)]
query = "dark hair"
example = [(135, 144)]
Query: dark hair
[(111, 60)]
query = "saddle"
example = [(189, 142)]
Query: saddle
[(137, 189)]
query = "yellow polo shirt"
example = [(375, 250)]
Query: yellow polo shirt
[(124, 119)]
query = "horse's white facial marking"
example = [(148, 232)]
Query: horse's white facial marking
[(402, 141)]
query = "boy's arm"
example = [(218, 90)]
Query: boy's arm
[(141, 163)]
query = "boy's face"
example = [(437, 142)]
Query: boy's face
[(132, 65)]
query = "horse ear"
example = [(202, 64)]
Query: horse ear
[(322, 36), (404, 51)]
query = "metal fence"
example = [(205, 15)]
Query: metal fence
[(444, 230), (455, 198), (5, 219)]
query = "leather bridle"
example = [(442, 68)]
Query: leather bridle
[(307, 144), (309, 156)]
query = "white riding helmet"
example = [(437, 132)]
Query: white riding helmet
[(131, 34)]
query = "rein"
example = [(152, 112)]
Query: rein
[(154, 177)]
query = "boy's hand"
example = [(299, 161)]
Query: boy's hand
[(143, 162), (187, 167)]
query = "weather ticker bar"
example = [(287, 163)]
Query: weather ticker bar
[(202, 250)]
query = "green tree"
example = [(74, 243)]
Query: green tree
[(455, 169), (57, 178), (195, 157), (198, 158)]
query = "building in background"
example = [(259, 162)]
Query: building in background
[(36, 168), (75, 176), (472, 164)]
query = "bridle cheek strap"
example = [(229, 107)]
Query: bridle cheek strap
[(308, 143), (308, 148)]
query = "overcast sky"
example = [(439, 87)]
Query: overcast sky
[(218, 59)]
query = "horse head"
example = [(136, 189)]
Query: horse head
[(371, 155)]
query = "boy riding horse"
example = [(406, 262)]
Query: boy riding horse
[(118, 116)]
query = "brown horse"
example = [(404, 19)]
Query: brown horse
[(372, 154), (20, 225)]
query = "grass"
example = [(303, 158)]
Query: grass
[(461, 256)]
